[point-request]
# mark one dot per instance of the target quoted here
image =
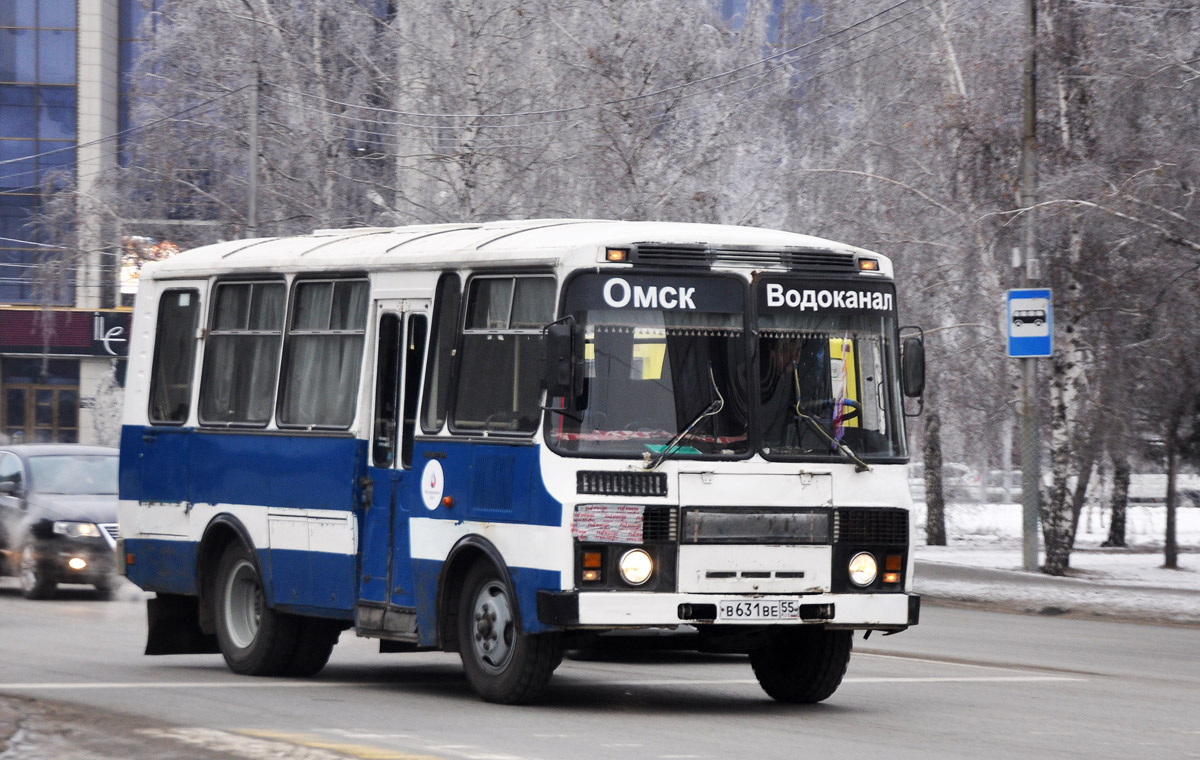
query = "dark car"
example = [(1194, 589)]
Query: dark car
[(58, 516)]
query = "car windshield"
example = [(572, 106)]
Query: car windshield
[(664, 358), (827, 370), (73, 474)]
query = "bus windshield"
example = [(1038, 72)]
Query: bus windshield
[(827, 370), (666, 370), (664, 357)]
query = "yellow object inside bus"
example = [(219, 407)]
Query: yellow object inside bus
[(843, 374)]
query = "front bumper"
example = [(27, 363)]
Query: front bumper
[(605, 610), (54, 556)]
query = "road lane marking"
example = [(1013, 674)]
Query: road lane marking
[(865, 679), (276, 745), (962, 679), (312, 741), (173, 685)]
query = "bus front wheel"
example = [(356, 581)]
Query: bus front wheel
[(502, 664), (802, 664), (254, 639)]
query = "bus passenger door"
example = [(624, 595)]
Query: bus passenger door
[(386, 593)]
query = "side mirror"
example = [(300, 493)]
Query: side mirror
[(912, 365), (564, 359), (912, 372), (9, 487)]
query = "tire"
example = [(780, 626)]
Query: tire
[(36, 583), (502, 664), (254, 639), (802, 665), (315, 639)]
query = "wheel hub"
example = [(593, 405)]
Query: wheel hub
[(494, 627)]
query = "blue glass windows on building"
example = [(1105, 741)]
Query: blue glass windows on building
[(38, 44), (137, 19)]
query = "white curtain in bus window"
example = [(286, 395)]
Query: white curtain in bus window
[(499, 381), (324, 354), (242, 356)]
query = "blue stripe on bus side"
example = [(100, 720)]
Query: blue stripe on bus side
[(488, 483), (316, 582), (172, 465), (312, 580), (168, 567)]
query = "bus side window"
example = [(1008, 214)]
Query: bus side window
[(387, 391), (174, 355), (500, 372), (323, 353), (441, 358), (414, 350), (237, 385)]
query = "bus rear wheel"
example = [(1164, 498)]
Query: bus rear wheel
[(254, 639), (502, 664), (802, 665)]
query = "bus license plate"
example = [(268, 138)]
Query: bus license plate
[(758, 609)]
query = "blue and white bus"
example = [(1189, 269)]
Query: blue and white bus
[(512, 438)]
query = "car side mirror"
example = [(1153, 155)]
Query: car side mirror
[(564, 360), (9, 487)]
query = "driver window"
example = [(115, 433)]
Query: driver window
[(499, 382)]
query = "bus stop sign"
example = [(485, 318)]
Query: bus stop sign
[(1030, 323)]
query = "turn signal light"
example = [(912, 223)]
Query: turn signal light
[(868, 265), (892, 563), (591, 576), (591, 559), (616, 254), (891, 577)]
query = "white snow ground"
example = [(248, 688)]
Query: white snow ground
[(982, 565)]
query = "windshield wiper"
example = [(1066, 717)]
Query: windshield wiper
[(718, 403), (859, 465)]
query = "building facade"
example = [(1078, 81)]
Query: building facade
[(64, 81)]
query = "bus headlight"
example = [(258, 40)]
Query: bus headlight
[(636, 566), (863, 569)]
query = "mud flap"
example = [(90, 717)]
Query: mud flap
[(174, 626)]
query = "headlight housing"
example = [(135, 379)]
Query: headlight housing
[(636, 566), (863, 569), (72, 529)]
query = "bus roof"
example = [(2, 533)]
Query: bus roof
[(435, 246)]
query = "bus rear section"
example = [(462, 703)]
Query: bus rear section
[(518, 439)]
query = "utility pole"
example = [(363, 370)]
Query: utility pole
[(1031, 450), (252, 201)]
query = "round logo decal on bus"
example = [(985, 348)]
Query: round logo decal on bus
[(432, 485)]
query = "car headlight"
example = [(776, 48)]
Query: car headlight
[(636, 566), (863, 569), (72, 529)]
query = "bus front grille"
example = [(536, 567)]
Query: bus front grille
[(871, 525), (607, 483)]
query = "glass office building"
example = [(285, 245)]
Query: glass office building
[(64, 82)]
